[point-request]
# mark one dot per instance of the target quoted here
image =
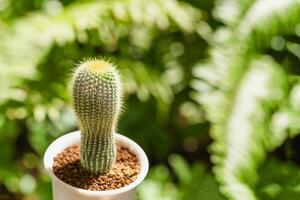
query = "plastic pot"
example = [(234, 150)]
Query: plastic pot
[(64, 191)]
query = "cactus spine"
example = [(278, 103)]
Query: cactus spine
[(97, 102)]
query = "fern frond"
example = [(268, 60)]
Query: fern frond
[(230, 12), (24, 44), (246, 96), (242, 136), (269, 18), (287, 119)]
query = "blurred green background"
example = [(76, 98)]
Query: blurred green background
[(211, 91)]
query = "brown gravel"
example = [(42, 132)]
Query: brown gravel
[(67, 167)]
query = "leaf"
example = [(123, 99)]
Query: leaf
[(181, 168)]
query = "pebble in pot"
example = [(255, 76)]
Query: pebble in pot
[(95, 162)]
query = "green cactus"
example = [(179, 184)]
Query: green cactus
[(97, 102)]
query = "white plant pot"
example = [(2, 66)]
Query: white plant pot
[(64, 191)]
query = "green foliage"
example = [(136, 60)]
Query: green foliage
[(193, 182), (96, 90), (247, 93), (149, 41), (278, 180), (219, 75)]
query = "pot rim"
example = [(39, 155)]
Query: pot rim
[(75, 136)]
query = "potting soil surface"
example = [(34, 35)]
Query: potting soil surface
[(68, 168)]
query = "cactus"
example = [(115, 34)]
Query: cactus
[(97, 103)]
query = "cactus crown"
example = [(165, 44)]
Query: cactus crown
[(97, 101)]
